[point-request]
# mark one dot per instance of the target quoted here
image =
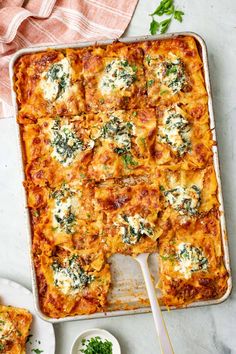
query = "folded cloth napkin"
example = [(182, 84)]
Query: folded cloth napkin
[(26, 23)]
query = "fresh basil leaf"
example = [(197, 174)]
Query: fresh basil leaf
[(154, 26), (178, 15), (163, 7), (159, 11), (164, 25), (166, 7), (170, 11), (168, 4)]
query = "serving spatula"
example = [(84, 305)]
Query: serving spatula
[(165, 344)]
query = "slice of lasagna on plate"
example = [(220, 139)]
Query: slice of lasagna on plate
[(14, 329)]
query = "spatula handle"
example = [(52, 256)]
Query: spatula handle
[(165, 344)]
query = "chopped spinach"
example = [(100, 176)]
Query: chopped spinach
[(191, 259), (133, 228), (119, 74), (172, 74), (184, 200), (175, 132), (63, 192), (56, 73), (71, 272), (67, 221), (63, 214), (120, 133), (65, 143)]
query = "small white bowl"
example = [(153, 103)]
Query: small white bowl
[(77, 346)]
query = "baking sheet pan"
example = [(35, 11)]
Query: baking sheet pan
[(128, 294)]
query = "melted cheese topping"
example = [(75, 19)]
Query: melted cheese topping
[(63, 213), (118, 75), (132, 228), (66, 144), (55, 82), (6, 329), (184, 200), (190, 259), (175, 132), (119, 133), (171, 73), (70, 277)]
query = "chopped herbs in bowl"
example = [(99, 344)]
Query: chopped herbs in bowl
[(96, 345), (96, 341)]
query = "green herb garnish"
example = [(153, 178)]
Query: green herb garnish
[(162, 92), (29, 338), (37, 351), (168, 257), (35, 213), (64, 214), (56, 73), (166, 7), (143, 141), (119, 133), (96, 346), (134, 228), (65, 142), (150, 82), (71, 271), (128, 160)]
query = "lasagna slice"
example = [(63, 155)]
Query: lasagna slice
[(124, 143), (57, 150), (191, 262), (65, 215), (187, 194), (173, 71), (181, 141), (49, 83), (71, 282), (14, 329), (130, 215), (114, 77)]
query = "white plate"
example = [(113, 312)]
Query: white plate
[(42, 333), (88, 334)]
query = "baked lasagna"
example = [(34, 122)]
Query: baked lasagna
[(118, 159), (14, 329)]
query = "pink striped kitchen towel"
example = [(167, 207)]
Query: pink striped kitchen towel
[(26, 23)]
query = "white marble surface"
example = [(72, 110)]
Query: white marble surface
[(206, 330)]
